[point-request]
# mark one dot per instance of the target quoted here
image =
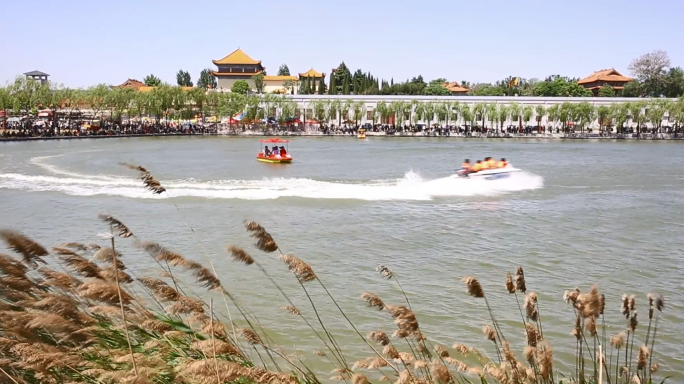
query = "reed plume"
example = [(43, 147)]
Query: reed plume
[(379, 337), (510, 286), (107, 255), (79, 264), (104, 292), (251, 336), (385, 272), (373, 300), (474, 287), (119, 228), (240, 255), (571, 296), (59, 279), (489, 333), (301, 270), (160, 289), (461, 349), (264, 241), (440, 373), (642, 357), (520, 280), (530, 305), (589, 305), (31, 252), (12, 267), (291, 309), (148, 180), (358, 378)]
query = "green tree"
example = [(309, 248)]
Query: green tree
[(152, 80), (556, 85), (651, 69), (554, 114), (289, 86), (606, 91), (97, 97), (674, 83), (637, 110), (258, 82), (240, 87), (332, 89), (283, 70), (468, 115), (584, 114), (603, 112), (358, 111), (183, 79), (345, 86), (619, 113), (436, 88), (527, 113), (504, 113), (321, 86), (207, 79), (539, 113), (633, 89), (5, 99)]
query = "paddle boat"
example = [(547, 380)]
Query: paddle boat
[(280, 155), (361, 134)]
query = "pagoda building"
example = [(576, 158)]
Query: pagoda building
[(239, 66), (312, 78), (603, 77)]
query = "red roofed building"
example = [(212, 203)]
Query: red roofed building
[(600, 78)]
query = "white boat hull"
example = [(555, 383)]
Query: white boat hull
[(493, 174)]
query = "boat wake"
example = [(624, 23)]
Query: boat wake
[(411, 187)]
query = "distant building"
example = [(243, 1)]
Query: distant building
[(239, 66), (603, 77), (456, 88), (138, 86), (37, 75), (313, 77)]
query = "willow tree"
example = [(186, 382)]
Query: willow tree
[(619, 115), (452, 111), (515, 111), (468, 115), (554, 114), (504, 113), (636, 109), (358, 110), (584, 113), (527, 113), (603, 113), (400, 107), (539, 113)]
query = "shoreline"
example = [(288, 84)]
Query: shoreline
[(630, 137)]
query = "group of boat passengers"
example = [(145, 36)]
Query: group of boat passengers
[(275, 151), (482, 165)]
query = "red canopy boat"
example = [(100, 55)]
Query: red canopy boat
[(279, 155)]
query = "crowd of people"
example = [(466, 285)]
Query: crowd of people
[(59, 129)]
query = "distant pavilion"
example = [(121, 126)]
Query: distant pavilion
[(313, 77), (38, 76), (239, 66), (610, 77)]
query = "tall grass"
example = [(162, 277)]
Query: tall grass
[(77, 314)]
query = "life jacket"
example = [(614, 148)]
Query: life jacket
[(501, 164), (484, 165), (477, 167), (465, 166), (492, 163)]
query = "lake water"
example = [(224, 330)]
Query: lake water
[(582, 212)]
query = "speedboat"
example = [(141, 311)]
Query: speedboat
[(361, 134), (491, 174), (274, 157)]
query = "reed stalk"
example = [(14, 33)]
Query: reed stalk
[(123, 312)]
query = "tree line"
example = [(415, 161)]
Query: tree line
[(654, 76), (27, 96)]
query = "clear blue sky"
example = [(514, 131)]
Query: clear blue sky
[(82, 43)]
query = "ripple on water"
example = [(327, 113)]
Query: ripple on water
[(615, 223)]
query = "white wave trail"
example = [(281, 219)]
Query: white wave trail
[(411, 187)]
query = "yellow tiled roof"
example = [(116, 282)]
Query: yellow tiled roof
[(237, 57), (280, 78), (311, 73), (605, 75), (235, 73)]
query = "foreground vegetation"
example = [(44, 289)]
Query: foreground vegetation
[(29, 96), (78, 314)]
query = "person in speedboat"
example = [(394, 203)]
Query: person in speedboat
[(275, 151), (283, 152), (267, 152)]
